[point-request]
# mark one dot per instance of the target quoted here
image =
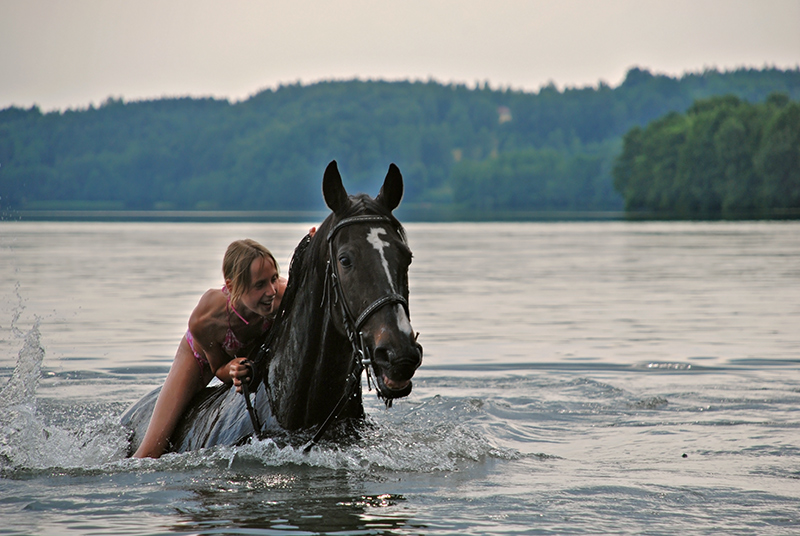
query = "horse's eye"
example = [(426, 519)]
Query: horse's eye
[(345, 261)]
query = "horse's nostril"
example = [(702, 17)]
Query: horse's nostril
[(382, 355), (398, 366)]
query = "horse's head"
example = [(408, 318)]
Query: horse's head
[(368, 272)]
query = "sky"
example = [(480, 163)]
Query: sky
[(62, 54)]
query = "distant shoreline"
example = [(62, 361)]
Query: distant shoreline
[(164, 215), (410, 214)]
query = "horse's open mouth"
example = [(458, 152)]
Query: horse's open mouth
[(392, 389)]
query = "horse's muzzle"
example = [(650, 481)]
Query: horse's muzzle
[(394, 372)]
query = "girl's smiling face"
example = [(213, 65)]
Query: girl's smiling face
[(260, 296)]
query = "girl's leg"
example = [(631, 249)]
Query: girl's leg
[(184, 380)]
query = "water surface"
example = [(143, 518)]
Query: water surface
[(613, 377)]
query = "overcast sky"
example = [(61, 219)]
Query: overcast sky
[(71, 53)]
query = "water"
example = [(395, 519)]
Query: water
[(578, 378)]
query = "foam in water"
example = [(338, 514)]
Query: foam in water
[(405, 439)]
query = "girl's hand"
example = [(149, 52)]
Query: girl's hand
[(239, 369)]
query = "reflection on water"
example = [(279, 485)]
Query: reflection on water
[(610, 377), (290, 501)]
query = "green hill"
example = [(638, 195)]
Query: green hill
[(473, 149)]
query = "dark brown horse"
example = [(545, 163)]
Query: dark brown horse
[(345, 310)]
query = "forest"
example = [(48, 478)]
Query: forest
[(474, 151), (724, 157)]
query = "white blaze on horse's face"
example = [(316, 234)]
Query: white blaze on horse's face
[(374, 238)]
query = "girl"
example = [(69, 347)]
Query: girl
[(224, 323)]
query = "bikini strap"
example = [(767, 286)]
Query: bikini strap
[(228, 298)]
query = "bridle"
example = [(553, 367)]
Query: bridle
[(334, 295)]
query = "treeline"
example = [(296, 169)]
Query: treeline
[(537, 179), (723, 157), (472, 148)]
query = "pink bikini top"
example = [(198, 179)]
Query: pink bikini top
[(231, 343)]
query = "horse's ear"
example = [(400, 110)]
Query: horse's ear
[(332, 188), (392, 190)]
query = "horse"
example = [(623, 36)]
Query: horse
[(344, 311)]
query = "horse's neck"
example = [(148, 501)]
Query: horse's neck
[(310, 360)]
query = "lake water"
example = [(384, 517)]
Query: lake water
[(611, 377)]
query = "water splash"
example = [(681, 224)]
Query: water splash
[(18, 421), (26, 442)]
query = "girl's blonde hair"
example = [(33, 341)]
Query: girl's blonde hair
[(237, 261)]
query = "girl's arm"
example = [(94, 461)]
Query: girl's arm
[(208, 331)]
